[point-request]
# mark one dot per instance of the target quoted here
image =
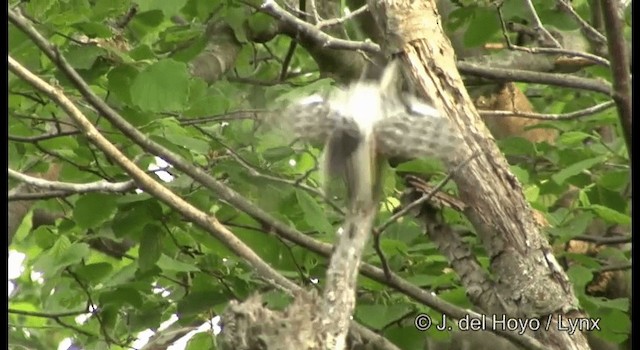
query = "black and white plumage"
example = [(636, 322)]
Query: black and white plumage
[(368, 120)]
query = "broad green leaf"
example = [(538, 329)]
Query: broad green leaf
[(83, 57), (580, 276), (277, 153), (314, 215), (421, 166), (95, 272), (576, 168), (621, 304), (92, 209), (44, 238), (406, 337), (393, 246), (573, 227), (614, 180), (616, 326), (130, 219), (572, 138), (121, 296), (69, 255), (163, 86), (38, 8), (521, 174), (125, 274), (119, 83), (169, 264), (531, 193), (482, 27), (378, 316), (200, 301), (169, 8), (517, 146), (610, 215), (235, 17), (146, 23), (203, 340), (150, 247)]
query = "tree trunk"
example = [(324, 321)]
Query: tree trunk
[(528, 282)]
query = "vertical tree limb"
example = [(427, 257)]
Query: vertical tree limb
[(619, 66)]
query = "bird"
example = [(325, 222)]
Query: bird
[(366, 122)]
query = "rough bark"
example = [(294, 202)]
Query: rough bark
[(527, 278)]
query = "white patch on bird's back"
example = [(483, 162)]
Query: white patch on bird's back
[(362, 103)]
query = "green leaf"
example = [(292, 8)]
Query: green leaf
[(119, 82), (169, 8), (575, 169), (203, 340), (521, 174), (616, 326), (517, 146), (573, 138), (122, 296), (95, 272), (580, 276), (621, 304), (200, 301), (277, 153), (610, 215), (573, 227), (163, 86), (482, 27), (44, 238), (531, 193), (405, 337), (132, 218), (92, 209), (614, 180), (421, 166), (83, 57), (169, 264), (378, 316), (62, 254), (150, 247), (313, 213)]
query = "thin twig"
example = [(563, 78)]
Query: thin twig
[(255, 173), (548, 50), (603, 240), (336, 21), (563, 80), (541, 116), (225, 117), (314, 11), (271, 8), (565, 5), (614, 267), (538, 24), (425, 197), (98, 186), (42, 137), (48, 315)]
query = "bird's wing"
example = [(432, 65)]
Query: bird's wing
[(416, 131)]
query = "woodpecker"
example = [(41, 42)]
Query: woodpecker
[(364, 123)]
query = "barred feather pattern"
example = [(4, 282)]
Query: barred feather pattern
[(408, 128), (366, 121)]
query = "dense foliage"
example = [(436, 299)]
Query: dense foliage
[(128, 262)]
